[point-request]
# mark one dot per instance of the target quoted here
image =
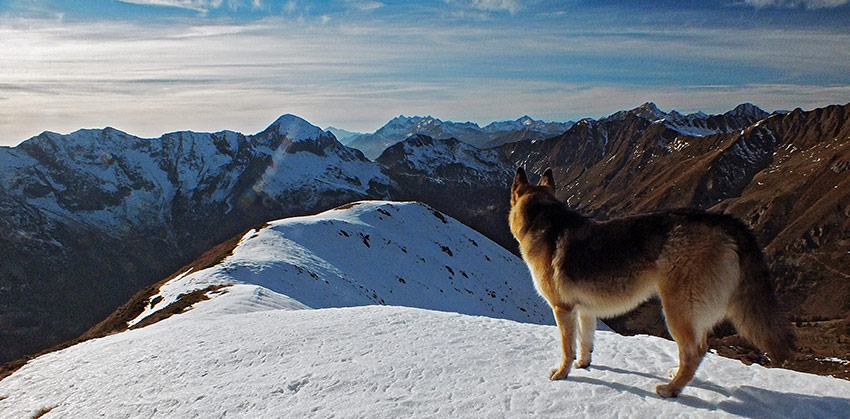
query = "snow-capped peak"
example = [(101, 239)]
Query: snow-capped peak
[(295, 128)]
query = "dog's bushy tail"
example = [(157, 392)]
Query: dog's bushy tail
[(753, 309)]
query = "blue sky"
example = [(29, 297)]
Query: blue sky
[(154, 66)]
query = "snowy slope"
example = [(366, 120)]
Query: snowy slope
[(446, 160), (374, 252), (389, 362), (256, 349)]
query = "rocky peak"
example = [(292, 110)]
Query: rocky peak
[(748, 110)]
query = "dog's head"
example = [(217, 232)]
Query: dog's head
[(521, 187)]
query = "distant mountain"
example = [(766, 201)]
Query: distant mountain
[(89, 218), (696, 124), (460, 179), (342, 135), (492, 135)]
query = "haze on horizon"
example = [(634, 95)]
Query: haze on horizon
[(154, 66)]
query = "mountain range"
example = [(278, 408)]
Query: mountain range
[(90, 218), (491, 135)]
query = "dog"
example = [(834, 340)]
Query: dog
[(705, 267)]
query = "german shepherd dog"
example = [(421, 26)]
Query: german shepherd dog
[(705, 267)]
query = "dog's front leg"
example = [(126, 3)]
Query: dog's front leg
[(566, 318)]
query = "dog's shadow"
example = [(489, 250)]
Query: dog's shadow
[(745, 401)]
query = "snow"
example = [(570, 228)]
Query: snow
[(257, 349), (142, 177), (389, 362), (296, 128), (373, 252), (428, 155)]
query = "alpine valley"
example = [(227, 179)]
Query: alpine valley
[(92, 218)]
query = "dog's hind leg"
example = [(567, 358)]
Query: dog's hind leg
[(566, 319), (691, 345), (586, 328)]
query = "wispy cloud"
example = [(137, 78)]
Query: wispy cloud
[(364, 5), (808, 4), (199, 5), (510, 6), (356, 73)]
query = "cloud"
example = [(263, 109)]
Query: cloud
[(148, 78), (198, 5), (808, 4), (364, 5), (510, 6)]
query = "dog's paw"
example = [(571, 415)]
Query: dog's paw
[(582, 363), (667, 391), (559, 373)]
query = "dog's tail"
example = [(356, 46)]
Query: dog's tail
[(753, 309)]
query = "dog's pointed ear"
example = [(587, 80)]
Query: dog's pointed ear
[(520, 178), (547, 179)]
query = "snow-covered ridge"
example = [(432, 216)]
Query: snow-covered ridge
[(698, 124), (371, 252), (113, 181)]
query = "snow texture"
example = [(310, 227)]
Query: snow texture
[(389, 362), (257, 350), (375, 252)]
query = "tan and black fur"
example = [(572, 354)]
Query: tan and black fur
[(705, 267)]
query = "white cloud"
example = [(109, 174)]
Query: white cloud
[(202, 6), (510, 6), (808, 4), (199, 5), (364, 5)]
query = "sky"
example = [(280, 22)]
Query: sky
[(153, 66)]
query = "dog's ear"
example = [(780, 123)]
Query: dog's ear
[(520, 180), (547, 179)]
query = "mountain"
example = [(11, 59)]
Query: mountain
[(783, 175), (402, 127), (364, 253), (696, 124), (460, 179), (342, 135), (243, 340), (89, 218), (494, 134)]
